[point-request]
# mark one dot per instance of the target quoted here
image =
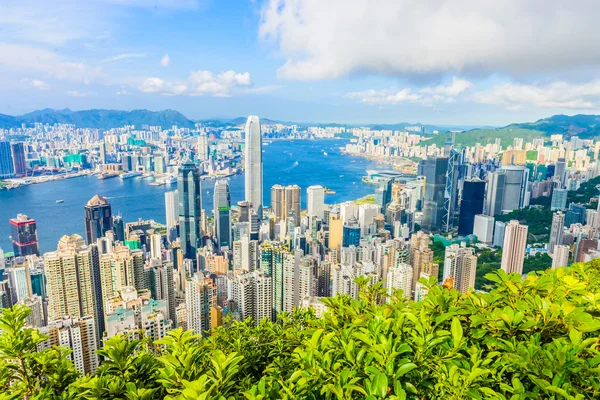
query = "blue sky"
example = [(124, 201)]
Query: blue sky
[(460, 62)]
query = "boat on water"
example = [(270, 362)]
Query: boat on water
[(105, 175), (329, 191), (157, 183), (171, 179), (59, 201), (129, 175), (341, 176), (324, 153)]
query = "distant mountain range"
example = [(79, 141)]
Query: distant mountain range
[(102, 119), (584, 126)]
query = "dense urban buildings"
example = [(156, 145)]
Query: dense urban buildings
[(427, 220)]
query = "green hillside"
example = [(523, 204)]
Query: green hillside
[(485, 136)]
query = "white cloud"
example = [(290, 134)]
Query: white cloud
[(35, 83), (124, 56), (199, 83), (165, 60), (263, 89), (560, 94), (123, 92), (331, 39), (30, 58), (385, 96), (426, 96), (176, 4), (457, 87), (76, 93)]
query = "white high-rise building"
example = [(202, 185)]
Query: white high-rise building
[(483, 228), (366, 216), (254, 165), (156, 246), (200, 296), (77, 334), (460, 264), (348, 210), (399, 277), (172, 208), (245, 255), (203, 147), (560, 258), (315, 201), (556, 231), (291, 271), (252, 294), (513, 250)]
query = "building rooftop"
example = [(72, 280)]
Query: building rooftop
[(97, 200)]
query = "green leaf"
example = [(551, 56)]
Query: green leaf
[(457, 331), (379, 385)]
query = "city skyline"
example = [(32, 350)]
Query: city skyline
[(279, 59)]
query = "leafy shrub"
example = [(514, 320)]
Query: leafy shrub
[(525, 339)]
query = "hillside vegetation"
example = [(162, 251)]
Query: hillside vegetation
[(525, 339), (485, 136)]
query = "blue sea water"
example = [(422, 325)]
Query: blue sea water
[(300, 162)]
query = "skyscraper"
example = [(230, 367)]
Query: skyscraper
[(560, 258), (559, 199), (7, 169), (200, 296), (515, 187), (254, 165), (98, 218), (471, 204), (171, 208), (433, 204), (284, 201), (69, 272), (292, 202), (460, 264), (315, 200), (24, 236), (243, 211), (559, 171), (252, 295), (556, 231), (203, 147), (18, 155), (278, 202), (190, 207), (495, 193), (222, 213), (351, 233), (513, 251), (335, 231)]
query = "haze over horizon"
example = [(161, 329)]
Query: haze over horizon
[(472, 63)]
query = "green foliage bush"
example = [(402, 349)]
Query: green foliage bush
[(535, 338)]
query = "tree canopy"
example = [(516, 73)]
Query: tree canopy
[(526, 338)]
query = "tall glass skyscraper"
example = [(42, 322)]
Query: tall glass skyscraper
[(190, 207), (473, 195), (18, 155), (222, 213), (6, 162), (98, 218), (254, 165), (24, 236), (435, 182)]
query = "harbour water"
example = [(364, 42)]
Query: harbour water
[(284, 162)]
